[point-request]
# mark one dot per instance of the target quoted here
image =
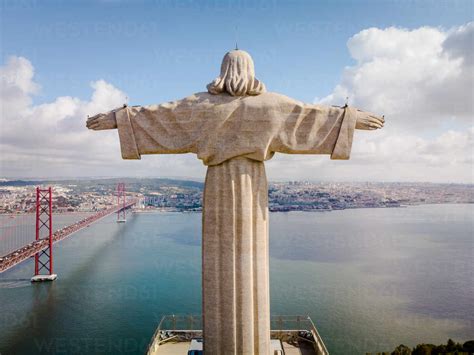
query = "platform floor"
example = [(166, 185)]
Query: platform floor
[(302, 349), (173, 348), (181, 348)]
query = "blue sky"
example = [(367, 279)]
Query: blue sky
[(160, 50), (410, 60)]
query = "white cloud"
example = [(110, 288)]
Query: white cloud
[(16, 84), (51, 139), (413, 76), (422, 80)]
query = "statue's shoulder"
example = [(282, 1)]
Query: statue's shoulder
[(272, 98), (264, 99), (275, 96), (207, 98), (197, 97)]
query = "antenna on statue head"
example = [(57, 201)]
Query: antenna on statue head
[(235, 34), (347, 101), (126, 100)]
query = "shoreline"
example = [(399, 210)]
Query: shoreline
[(12, 214)]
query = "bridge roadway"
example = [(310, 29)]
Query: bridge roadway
[(29, 250)]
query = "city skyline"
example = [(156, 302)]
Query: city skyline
[(415, 67), (186, 195)]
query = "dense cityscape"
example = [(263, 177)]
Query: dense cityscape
[(17, 196)]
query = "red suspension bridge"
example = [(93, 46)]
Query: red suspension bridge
[(40, 246)]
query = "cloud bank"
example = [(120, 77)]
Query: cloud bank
[(421, 79), (51, 139)]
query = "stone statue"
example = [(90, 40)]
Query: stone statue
[(233, 128)]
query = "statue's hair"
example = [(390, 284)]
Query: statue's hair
[(237, 76)]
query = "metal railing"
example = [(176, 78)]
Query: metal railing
[(281, 324), (180, 322), (278, 325)]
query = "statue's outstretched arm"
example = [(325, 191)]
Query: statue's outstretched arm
[(102, 121), (368, 121), (168, 128), (316, 129)]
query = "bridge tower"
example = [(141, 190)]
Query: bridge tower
[(121, 203), (44, 234)]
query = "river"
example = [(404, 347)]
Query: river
[(369, 278)]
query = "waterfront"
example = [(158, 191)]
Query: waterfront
[(369, 278)]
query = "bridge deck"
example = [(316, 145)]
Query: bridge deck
[(29, 250)]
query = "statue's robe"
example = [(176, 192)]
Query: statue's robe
[(233, 136)]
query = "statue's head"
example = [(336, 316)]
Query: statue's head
[(237, 76)]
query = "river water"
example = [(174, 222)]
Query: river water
[(369, 278)]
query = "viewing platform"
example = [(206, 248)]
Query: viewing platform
[(290, 335)]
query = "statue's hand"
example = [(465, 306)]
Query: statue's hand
[(368, 121), (102, 121)]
